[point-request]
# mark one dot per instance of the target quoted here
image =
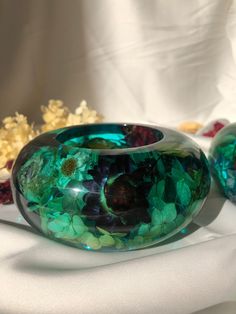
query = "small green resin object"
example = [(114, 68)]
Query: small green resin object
[(222, 158), (110, 187)]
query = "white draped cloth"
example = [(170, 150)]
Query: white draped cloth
[(145, 61)]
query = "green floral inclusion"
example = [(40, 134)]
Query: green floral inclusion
[(53, 183)]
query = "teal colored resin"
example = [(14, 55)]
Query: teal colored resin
[(110, 186), (222, 159)]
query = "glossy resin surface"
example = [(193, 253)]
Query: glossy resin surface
[(110, 186), (222, 159)]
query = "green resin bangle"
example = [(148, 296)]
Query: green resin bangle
[(110, 186), (222, 158)]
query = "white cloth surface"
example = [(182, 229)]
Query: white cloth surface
[(153, 61)]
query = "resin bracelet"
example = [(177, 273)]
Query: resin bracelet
[(110, 186), (222, 157)]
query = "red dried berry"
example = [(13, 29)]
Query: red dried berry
[(5, 193), (216, 128), (9, 164)]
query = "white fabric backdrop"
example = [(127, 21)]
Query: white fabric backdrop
[(130, 59), (154, 61)]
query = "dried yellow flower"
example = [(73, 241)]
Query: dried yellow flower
[(14, 134), (4, 174), (190, 127), (83, 115), (56, 115)]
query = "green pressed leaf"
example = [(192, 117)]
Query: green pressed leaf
[(93, 159), (177, 174), (55, 204), (138, 158), (183, 192), (156, 202), (93, 243), (60, 234), (138, 240), (177, 165), (156, 231), (31, 196), (90, 240), (103, 231), (153, 191), (157, 189), (106, 240), (197, 175), (161, 167), (143, 229), (169, 213), (179, 220), (118, 234), (156, 217), (85, 236), (62, 182), (83, 176), (78, 225), (112, 179), (69, 204), (167, 228), (227, 150), (33, 207), (119, 244), (160, 188), (103, 201), (59, 223), (196, 204), (55, 226), (70, 233)]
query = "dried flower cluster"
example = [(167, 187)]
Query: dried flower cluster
[(56, 115), (14, 134), (190, 127), (16, 131)]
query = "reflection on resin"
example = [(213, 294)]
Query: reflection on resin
[(111, 186)]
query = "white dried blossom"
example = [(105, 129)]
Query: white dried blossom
[(14, 134), (5, 174), (56, 115), (83, 115)]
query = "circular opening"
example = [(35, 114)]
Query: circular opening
[(109, 136)]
